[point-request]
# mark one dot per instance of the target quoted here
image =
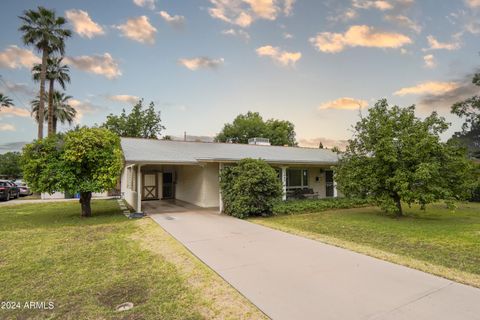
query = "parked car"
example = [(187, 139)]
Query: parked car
[(24, 189), (8, 190)]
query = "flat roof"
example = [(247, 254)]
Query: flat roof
[(153, 151)]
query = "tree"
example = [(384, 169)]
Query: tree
[(62, 110), (56, 72), (47, 33), (252, 125), (250, 187), (5, 101), (10, 165), (320, 145), (395, 157), (139, 123), (81, 161)]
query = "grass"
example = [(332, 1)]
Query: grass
[(437, 240), (86, 267)]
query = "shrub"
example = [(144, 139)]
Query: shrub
[(317, 205), (249, 188)]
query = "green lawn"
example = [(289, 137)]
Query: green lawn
[(438, 240), (88, 266)]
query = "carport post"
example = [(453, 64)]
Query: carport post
[(139, 188), (220, 200), (284, 183)]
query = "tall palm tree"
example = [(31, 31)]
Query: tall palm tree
[(62, 110), (56, 72), (5, 101), (47, 33)]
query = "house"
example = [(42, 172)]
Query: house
[(157, 170)]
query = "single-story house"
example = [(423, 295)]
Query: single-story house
[(156, 170)]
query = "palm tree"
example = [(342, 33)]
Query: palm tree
[(56, 72), (5, 101), (46, 32), (62, 111)]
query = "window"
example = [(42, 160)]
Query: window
[(297, 178)]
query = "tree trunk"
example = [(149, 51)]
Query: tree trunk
[(41, 104), (85, 198), (50, 109), (55, 124), (398, 203)]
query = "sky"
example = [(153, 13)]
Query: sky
[(318, 64)]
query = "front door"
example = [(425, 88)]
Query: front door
[(329, 183), (168, 186), (150, 186)]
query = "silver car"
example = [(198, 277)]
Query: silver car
[(24, 189)]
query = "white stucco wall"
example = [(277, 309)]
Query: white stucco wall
[(198, 185), (211, 185), (129, 195)]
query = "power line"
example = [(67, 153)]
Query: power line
[(12, 92)]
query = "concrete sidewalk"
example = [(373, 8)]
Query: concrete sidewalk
[(290, 277)]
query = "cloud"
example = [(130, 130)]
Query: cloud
[(150, 4), (473, 3), (429, 61), (7, 127), (175, 21), (430, 88), (369, 4), (103, 65), (244, 12), (287, 35), (14, 57), (434, 44), (327, 143), (284, 58), (237, 33), (404, 21), (83, 24), (138, 29), (124, 98), (346, 15), (344, 103), (15, 111), (83, 108), (358, 36), (201, 63), (19, 88)]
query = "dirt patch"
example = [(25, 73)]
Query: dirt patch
[(123, 292)]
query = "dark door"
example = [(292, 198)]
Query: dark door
[(168, 187), (329, 183)]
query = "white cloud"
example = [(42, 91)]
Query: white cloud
[(236, 33), (473, 3), (287, 35), (103, 65), (358, 36), (327, 143), (22, 88), (14, 57), (150, 4), (138, 29), (430, 61), (201, 63), (284, 58), (15, 111), (429, 88), (344, 103), (346, 15), (175, 21), (124, 98), (83, 108), (244, 12), (434, 44), (7, 127), (83, 24), (368, 4), (404, 21)]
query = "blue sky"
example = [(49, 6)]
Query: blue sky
[(204, 62)]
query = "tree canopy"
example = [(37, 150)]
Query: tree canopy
[(139, 123), (82, 161), (395, 157), (10, 165), (252, 125)]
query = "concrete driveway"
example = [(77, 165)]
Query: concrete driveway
[(290, 277)]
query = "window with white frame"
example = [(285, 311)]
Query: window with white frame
[(297, 178)]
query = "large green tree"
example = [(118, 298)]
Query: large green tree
[(45, 31), (57, 72), (82, 161), (139, 123), (252, 125), (395, 157), (10, 165)]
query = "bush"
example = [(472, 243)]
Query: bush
[(249, 188), (317, 205)]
